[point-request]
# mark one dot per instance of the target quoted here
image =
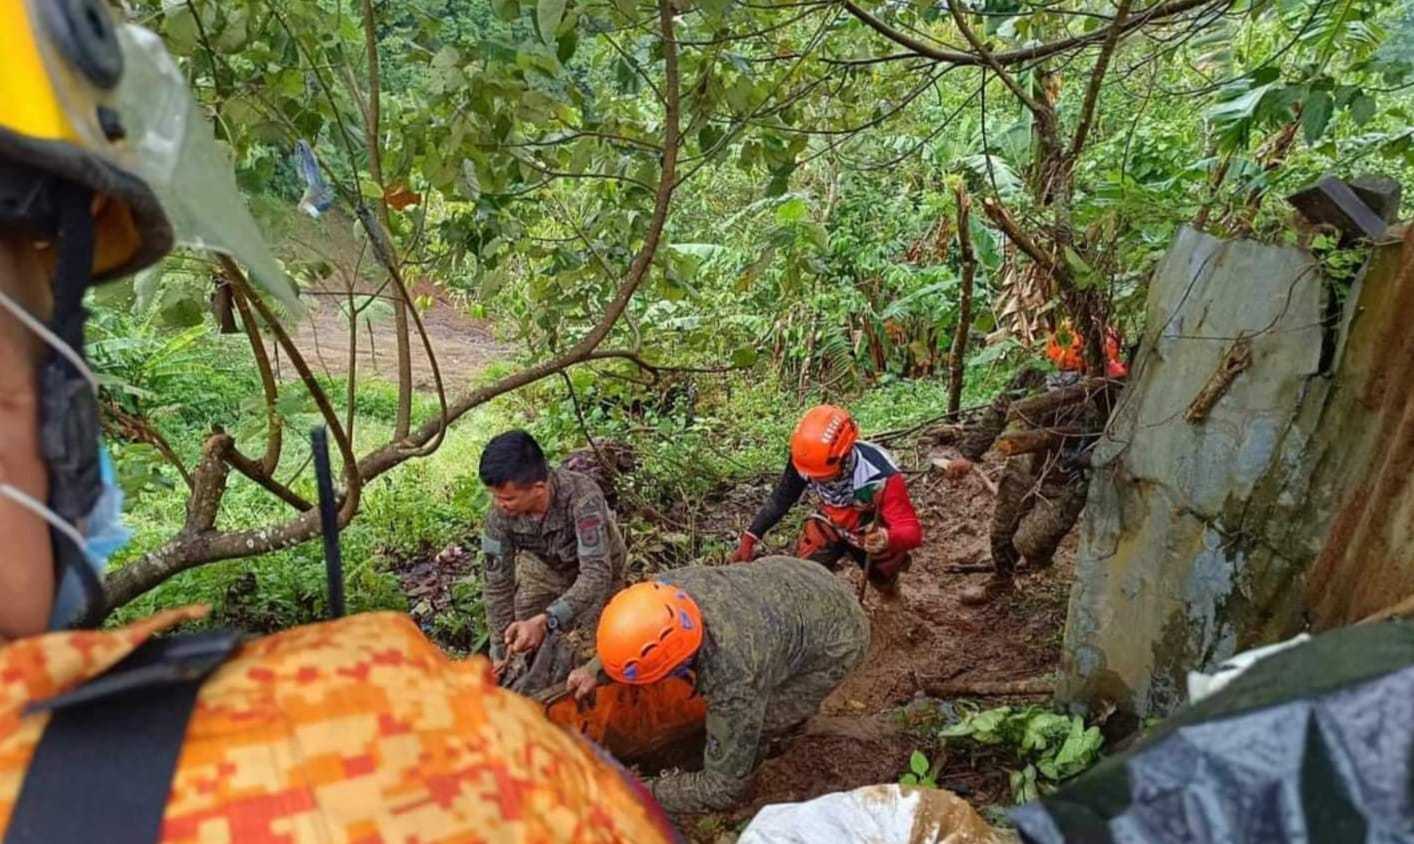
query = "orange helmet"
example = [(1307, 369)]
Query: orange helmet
[(1065, 349), (647, 630), (822, 441)]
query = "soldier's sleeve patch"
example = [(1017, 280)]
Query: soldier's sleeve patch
[(589, 530)]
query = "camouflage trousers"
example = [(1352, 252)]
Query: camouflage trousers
[(537, 587), (1037, 505), (799, 698)]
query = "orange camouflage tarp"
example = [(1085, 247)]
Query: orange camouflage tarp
[(358, 730), (635, 722)]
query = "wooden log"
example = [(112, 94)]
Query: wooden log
[(1031, 410), (1403, 609), (1027, 442), (969, 568), (550, 694)]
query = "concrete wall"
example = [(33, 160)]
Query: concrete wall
[(1200, 539)]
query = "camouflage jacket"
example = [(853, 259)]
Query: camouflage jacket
[(577, 533), (767, 625)]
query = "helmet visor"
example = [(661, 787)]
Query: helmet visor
[(164, 141)]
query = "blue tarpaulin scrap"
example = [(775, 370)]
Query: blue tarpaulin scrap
[(318, 196), (1313, 744)]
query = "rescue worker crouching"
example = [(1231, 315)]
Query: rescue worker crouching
[(764, 645), (554, 556), (863, 507), (356, 729)]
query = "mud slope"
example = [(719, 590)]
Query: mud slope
[(860, 737)]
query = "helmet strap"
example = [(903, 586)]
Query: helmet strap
[(68, 415)]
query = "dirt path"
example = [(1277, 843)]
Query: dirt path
[(463, 345), (863, 734)]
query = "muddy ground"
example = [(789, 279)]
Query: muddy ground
[(868, 728)]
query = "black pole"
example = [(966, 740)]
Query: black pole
[(328, 520)]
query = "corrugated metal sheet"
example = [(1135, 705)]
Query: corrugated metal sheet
[(1367, 563)]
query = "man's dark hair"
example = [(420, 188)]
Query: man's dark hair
[(513, 456)]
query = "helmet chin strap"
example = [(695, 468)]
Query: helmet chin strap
[(68, 415)]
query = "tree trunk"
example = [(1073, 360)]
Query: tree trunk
[(964, 308)]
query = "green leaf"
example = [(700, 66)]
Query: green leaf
[(236, 33), (181, 30), (1362, 108), (708, 137), (1316, 114), (918, 764), (1240, 106), (468, 185), (780, 182), (793, 210), (744, 357), (548, 14), (566, 45), (627, 8), (506, 10)]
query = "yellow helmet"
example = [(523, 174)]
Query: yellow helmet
[(88, 102)]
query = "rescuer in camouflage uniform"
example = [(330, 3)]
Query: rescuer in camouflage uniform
[(554, 555), (766, 642), (1040, 495)]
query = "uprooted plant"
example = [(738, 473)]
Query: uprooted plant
[(1048, 747)]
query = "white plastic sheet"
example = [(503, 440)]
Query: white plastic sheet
[(1201, 684), (874, 814)]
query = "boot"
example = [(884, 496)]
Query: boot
[(984, 593)]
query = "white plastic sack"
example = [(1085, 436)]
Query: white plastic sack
[(1200, 684), (874, 814)]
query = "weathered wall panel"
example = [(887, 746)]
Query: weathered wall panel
[(1291, 505), (1167, 555), (1368, 559)]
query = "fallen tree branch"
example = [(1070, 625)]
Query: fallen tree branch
[(1233, 364), (1029, 441), (1034, 409), (372, 117), (1403, 609), (964, 308), (986, 481), (998, 215), (1097, 77), (208, 486), (274, 424), (256, 472), (135, 428), (969, 568), (1042, 113)]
